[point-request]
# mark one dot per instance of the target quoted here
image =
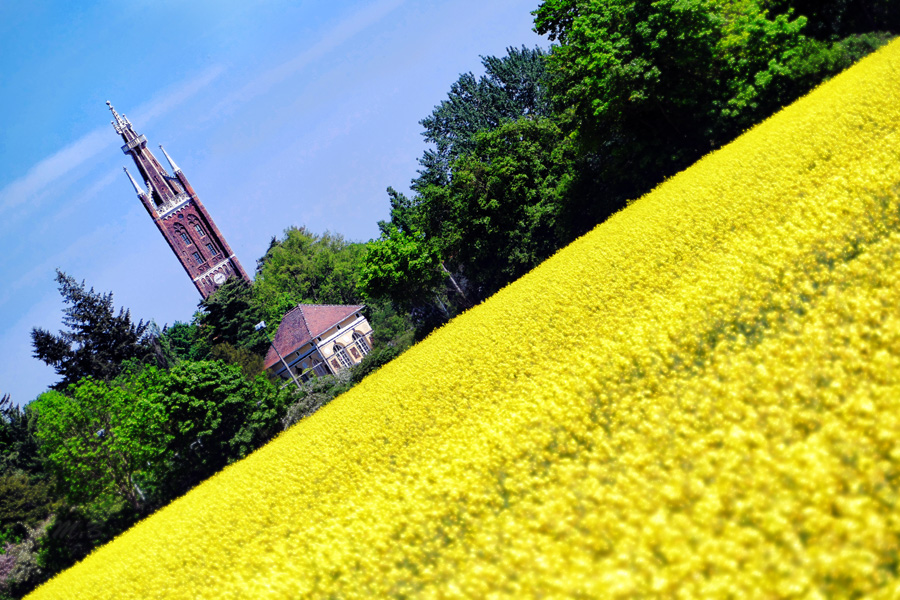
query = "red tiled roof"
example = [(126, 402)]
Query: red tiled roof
[(305, 322)]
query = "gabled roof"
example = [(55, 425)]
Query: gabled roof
[(305, 322)]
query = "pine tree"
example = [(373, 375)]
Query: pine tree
[(96, 340)]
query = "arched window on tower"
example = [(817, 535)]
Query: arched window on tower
[(185, 237)]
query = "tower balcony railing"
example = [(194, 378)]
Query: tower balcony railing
[(167, 207), (140, 140)]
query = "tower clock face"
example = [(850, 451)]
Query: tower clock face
[(219, 278)]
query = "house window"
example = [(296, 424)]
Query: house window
[(361, 342), (199, 230), (197, 258), (212, 250), (187, 240), (341, 355)]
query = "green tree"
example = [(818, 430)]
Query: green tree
[(99, 439), (185, 341), (656, 84), (23, 503), (303, 267), (498, 217), (229, 316), (412, 263), (403, 267), (250, 364), (18, 447), (96, 341), (831, 20), (650, 87), (512, 86), (215, 416), (151, 434)]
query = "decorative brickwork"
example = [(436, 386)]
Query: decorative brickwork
[(180, 216)]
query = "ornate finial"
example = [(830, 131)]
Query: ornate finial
[(172, 164), (139, 191), (121, 122)]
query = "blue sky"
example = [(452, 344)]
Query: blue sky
[(279, 113)]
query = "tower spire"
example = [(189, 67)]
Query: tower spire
[(172, 164), (179, 214), (121, 122), (139, 191)]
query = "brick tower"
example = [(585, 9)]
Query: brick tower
[(181, 217)]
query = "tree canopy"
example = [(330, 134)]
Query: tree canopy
[(652, 86), (511, 86), (96, 340), (496, 220), (151, 434), (304, 267), (228, 316)]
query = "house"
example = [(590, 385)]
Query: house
[(319, 339)]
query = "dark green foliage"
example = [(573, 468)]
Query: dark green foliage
[(650, 87), (230, 315), (250, 364), (18, 448), (496, 220), (304, 267), (23, 503), (314, 394), (96, 341), (653, 86), (377, 358), (214, 417), (511, 87), (185, 341), (77, 530), (388, 324), (830, 20), (823, 59)]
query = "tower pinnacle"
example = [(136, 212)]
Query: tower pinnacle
[(121, 122), (139, 191), (172, 164)]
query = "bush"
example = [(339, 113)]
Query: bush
[(23, 504)]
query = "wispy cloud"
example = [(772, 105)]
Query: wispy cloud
[(160, 106), (330, 40), (35, 273), (54, 167), (82, 199)]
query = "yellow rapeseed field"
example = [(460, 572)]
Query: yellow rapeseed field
[(699, 399)]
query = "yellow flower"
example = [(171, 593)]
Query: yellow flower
[(700, 398)]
